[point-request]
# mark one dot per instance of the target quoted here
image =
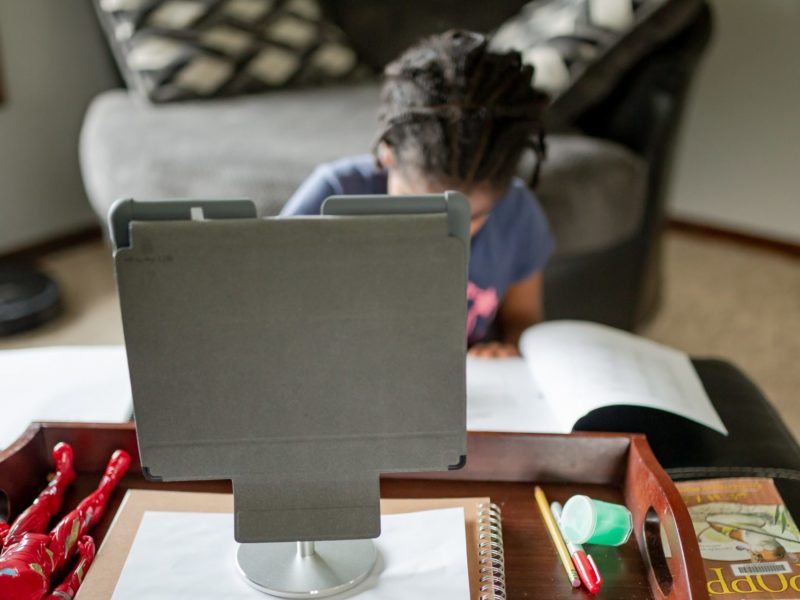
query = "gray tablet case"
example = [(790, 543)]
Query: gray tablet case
[(299, 357)]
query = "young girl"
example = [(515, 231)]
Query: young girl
[(455, 116)]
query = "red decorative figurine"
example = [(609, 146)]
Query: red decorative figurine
[(30, 557)]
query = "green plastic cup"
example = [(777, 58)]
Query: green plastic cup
[(589, 521)]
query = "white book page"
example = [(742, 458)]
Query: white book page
[(193, 555), (66, 383), (582, 366), (502, 396)]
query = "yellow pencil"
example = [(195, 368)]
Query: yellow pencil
[(555, 536)]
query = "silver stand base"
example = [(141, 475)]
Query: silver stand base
[(306, 569)]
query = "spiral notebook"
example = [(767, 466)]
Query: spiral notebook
[(439, 547)]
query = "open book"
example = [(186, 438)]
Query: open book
[(570, 368)]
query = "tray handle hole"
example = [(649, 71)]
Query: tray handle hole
[(655, 551), (5, 506)]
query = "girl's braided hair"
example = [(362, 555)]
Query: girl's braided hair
[(454, 112)]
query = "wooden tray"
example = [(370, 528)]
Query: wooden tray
[(613, 467)]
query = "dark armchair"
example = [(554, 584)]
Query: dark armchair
[(621, 284)]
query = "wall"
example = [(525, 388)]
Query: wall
[(53, 60), (738, 160)]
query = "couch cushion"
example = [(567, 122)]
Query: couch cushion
[(180, 49), (593, 192), (581, 49), (259, 147), (262, 147)]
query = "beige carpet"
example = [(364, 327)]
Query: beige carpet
[(722, 299)]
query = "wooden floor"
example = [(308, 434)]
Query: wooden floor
[(722, 299)]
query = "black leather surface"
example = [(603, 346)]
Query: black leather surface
[(381, 30), (603, 286), (758, 445), (643, 113)]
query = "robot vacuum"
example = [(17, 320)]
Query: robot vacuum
[(28, 298)]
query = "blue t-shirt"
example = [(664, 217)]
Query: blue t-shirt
[(513, 243)]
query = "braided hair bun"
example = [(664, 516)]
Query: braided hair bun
[(457, 114)]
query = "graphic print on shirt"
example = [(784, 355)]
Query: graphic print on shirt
[(481, 307)]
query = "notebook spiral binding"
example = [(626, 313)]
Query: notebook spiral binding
[(491, 555)]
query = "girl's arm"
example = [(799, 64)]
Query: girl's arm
[(308, 198), (521, 308)]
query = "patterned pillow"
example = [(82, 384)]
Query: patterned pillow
[(182, 49), (580, 49)]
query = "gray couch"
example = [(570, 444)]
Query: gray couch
[(601, 186), (262, 147)]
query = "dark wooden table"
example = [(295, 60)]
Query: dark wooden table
[(613, 467)]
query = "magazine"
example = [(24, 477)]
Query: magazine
[(749, 542)]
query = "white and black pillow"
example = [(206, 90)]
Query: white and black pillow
[(581, 49), (183, 49)]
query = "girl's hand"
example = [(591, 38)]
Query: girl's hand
[(494, 350)]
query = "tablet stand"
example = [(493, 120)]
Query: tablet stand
[(306, 569), (300, 358)]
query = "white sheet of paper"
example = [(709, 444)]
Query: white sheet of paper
[(502, 396), (581, 366), (65, 383), (193, 555)]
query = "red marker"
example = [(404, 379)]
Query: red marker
[(584, 563)]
